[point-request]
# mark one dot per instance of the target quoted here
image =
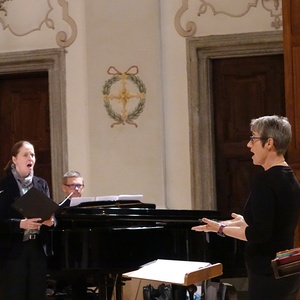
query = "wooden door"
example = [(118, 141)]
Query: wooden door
[(243, 88), (291, 45), (24, 115)]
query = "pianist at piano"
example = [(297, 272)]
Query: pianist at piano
[(74, 282), (72, 184)]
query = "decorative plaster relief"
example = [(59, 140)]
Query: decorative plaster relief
[(229, 8), (275, 10), (21, 22), (2, 7), (61, 37)]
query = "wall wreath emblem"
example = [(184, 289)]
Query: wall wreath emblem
[(132, 103)]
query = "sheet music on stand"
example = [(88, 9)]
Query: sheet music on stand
[(78, 200)]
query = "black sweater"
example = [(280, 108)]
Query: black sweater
[(272, 213)]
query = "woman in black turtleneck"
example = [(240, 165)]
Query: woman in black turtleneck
[(271, 212)]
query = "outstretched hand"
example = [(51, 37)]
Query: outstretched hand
[(235, 227), (210, 226)]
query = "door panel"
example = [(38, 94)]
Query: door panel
[(291, 34), (243, 88), (24, 115)]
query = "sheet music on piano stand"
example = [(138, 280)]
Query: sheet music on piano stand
[(78, 200), (120, 197)]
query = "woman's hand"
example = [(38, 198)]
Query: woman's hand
[(34, 223), (237, 220), (49, 222), (210, 226), (235, 227)]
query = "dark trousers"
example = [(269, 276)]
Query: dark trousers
[(25, 275), (263, 287)]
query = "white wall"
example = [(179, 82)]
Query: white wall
[(126, 159)]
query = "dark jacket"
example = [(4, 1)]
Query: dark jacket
[(11, 235), (272, 212)]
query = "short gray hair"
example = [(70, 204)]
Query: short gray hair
[(71, 174), (276, 127)]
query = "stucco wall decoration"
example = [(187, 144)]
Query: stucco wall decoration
[(127, 100), (33, 16), (230, 8)]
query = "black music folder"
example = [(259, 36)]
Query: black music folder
[(35, 204)]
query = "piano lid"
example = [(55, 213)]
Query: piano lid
[(132, 211)]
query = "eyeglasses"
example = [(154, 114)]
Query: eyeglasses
[(75, 186), (253, 138)]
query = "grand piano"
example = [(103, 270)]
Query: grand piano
[(102, 240)]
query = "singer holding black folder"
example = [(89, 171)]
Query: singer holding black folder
[(23, 242)]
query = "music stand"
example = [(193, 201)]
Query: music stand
[(183, 275)]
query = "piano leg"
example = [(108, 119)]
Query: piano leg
[(119, 287), (118, 284), (105, 287)]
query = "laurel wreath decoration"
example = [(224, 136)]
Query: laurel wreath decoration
[(106, 91), (124, 96)]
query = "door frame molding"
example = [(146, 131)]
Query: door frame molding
[(200, 53), (52, 61)]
